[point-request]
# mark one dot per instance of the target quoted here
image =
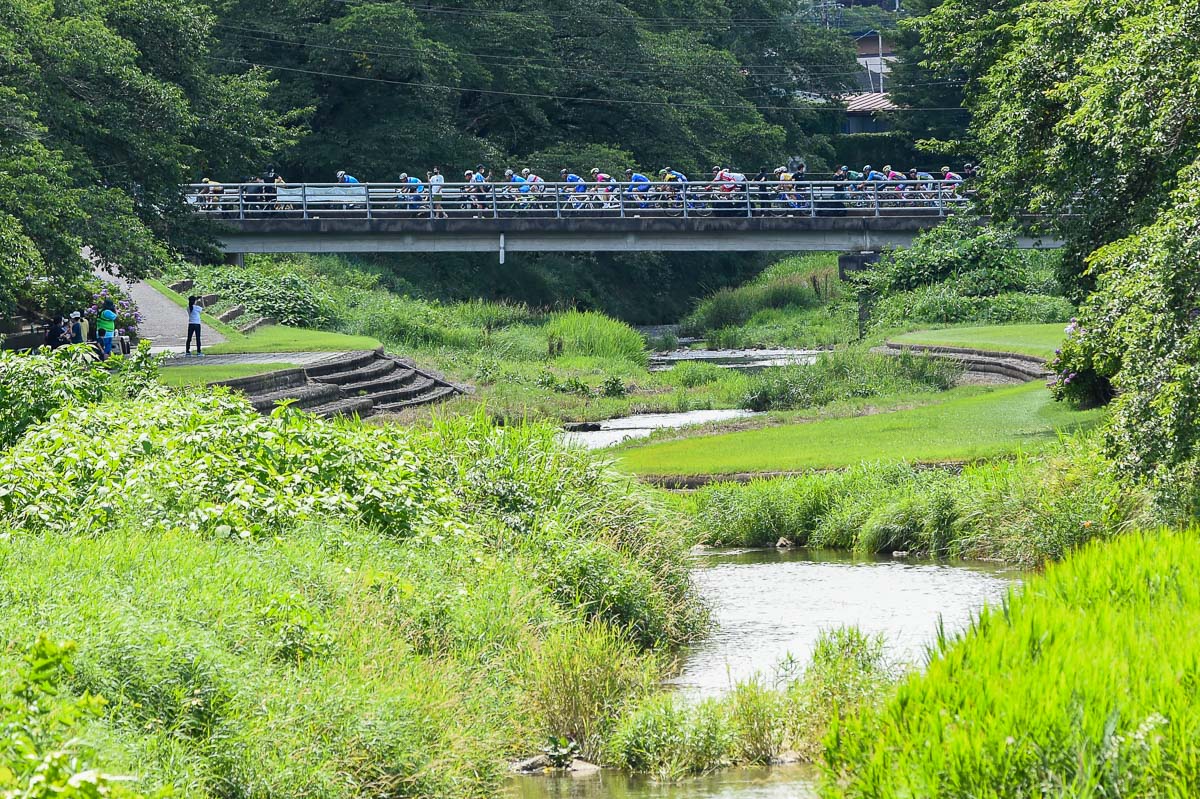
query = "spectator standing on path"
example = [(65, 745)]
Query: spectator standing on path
[(56, 332), (106, 328), (436, 180), (194, 310)]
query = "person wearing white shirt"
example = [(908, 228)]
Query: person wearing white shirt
[(436, 180)]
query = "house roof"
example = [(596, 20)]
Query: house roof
[(869, 103)]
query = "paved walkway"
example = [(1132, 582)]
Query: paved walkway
[(163, 322), (294, 358)]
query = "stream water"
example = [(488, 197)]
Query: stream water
[(734, 359), (614, 431), (769, 604)]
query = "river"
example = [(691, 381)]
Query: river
[(768, 604)]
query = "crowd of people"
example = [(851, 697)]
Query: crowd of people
[(76, 328), (481, 189)]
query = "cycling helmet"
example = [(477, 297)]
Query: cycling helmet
[(525, 172), (665, 170), (945, 169), (629, 171), (967, 165), (508, 173), (563, 173), (843, 168), (867, 168), (341, 175), (779, 170), (887, 168), (716, 169), (468, 173), (403, 177), (480, 168), (595, 171)]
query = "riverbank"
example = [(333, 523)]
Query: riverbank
[(233, 620)]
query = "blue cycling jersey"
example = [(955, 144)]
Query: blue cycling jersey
[(524, 184), (638, 177), (349, 179), (417, 181), (573, 178), (678, 175), (876, 176)]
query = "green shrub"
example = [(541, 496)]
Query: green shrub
[(691, 374), (594, 334), (1081, 680), (794, 283), (943, 304)]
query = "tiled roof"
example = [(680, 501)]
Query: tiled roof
[(869, 102)]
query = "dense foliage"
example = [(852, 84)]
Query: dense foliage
[(107, 107), (1079, 685), (1078, 105), (962, 272), (552, 84)]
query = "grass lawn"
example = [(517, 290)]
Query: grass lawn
[(962, 428), (277, 338), (200, 374), (228, 331), (1040, 340)]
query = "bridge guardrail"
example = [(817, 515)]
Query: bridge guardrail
[(242, 201)]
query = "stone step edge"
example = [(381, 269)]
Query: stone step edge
[(232, 313), (1024, 371), (937, 349), (261, 321)]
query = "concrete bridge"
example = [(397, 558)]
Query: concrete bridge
[(360, 218)]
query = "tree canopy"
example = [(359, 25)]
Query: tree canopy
[(106, 106)]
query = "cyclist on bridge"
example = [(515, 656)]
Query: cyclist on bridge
[(342, 177), (638, 184)]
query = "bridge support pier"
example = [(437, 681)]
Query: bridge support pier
[(235, 259), (855, 262)]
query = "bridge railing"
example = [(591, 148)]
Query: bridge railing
[(242, 201)]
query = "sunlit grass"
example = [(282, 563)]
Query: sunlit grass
[(1039, 340)]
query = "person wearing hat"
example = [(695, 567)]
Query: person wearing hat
[(78, 328)]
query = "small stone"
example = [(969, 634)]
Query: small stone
[(900, 553), (784, 543)]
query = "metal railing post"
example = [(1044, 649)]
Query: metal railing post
[(495, 209), (304, 201), (875, 195), (367, 194), (749, 207), (558, 202), (241, 201), (812, 201), (621, 200), (684, 199)]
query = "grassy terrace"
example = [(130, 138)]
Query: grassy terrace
[(1039, 340), (962, 428), (201, 374)]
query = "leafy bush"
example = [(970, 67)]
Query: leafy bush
[(41, 751), (670, 739), (1080, 374), (1075, 682), (35, 385), (846, 375), (594, 334)]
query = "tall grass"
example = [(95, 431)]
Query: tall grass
[(794, 283), (846, 376), (1023, 510), (1082, 684), (594, 334), (757, 721), (288, 605)]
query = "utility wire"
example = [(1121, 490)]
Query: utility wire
[(565, 98)]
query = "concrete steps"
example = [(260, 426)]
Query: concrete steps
[(1014, 366), (355, 384)]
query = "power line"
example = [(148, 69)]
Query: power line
[(558, 68), (518, 61), (655, 64), (565, 98)]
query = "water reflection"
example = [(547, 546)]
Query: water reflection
[(614, 431), (782, 782), (767, 604)]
